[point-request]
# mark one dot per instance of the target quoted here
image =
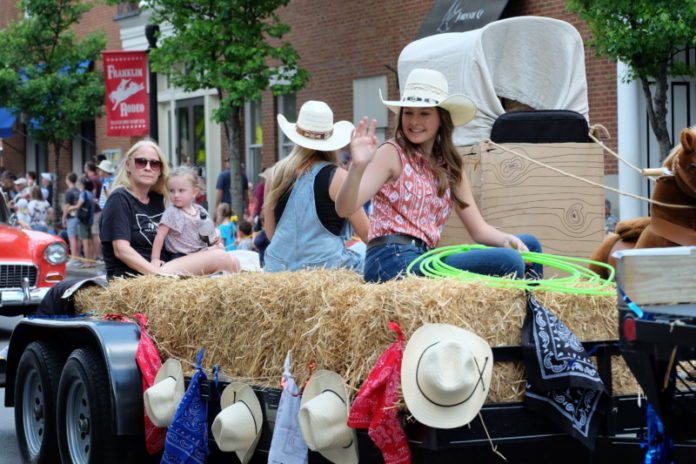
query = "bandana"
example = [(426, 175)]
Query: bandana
[(562, 381), (187, 437), (149, 363), (287, 444), (375, 406)]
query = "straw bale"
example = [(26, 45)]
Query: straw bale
[(248, 322)]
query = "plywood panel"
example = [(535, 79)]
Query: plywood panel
[(519, 196)]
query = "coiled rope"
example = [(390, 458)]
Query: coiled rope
[(579, 279)]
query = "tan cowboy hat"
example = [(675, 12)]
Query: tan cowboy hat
[(315, 128), (237, 427), (106, 166), (163, 397), (445, 375), (427, 87), (324, 418)]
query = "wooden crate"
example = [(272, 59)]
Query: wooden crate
[(519, 196), (658, 275)]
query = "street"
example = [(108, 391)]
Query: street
[(9, 453), (8, 441)]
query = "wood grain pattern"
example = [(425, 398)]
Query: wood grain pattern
[(519, 196)]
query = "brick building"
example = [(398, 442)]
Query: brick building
[(350, 50)]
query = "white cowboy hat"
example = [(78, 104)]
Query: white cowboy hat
[(106, 166), (445, 375), (21, 181), (324, 418), (315, 128), (163, 397), (238, 425), (46, 176), (427, 87)]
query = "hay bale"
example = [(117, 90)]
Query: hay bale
[(248, 322)]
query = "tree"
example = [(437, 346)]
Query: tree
[(226, 45), (647, 35), (47, 76)]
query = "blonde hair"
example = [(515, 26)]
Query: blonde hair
[(190, 172), (122, 178), (286, 171)]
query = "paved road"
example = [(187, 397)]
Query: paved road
[(9, 451), (8, 440)]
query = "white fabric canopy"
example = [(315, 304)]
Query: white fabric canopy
[(537, 61)]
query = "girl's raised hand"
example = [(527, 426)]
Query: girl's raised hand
[(363, 143)]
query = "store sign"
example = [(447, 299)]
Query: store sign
[(125, 80), (460, 16)]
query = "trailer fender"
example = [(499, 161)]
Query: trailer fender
[(116, 341)]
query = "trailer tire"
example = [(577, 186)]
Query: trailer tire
[(35, 392), (85, 427)]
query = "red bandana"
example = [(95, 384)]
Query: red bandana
[(375, 406), (149, 362)]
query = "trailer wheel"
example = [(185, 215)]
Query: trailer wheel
[(85, 432), (36, 387)]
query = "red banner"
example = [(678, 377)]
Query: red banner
[(125, 81)]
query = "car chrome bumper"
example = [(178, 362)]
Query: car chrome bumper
[(26, 297)]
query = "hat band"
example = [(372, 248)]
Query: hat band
[(314, 135), (473, 390), (420, 99)]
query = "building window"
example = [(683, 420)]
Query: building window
[(366, 102), (190, 121), (125, 9), (254, 138), (287, 106), (41, 158), (88, 137)]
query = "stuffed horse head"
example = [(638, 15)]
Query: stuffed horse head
[(682, 162), (668, 225)]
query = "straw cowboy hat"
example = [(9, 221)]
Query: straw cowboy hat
[(324, 416), (315, 128), (163, 397), (445, 375), (106, 166), (238, 425), (427, 87)]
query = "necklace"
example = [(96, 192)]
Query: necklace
[(194, 214)]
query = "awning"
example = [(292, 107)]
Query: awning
[(460, 16), (7, 120)]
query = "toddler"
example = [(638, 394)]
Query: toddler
[(244, 238), (226, 228), (179, 231)]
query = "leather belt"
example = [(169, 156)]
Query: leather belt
[(397, 239)]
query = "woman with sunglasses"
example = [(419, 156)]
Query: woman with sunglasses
[(131, 218)]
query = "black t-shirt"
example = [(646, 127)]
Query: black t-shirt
[(126, 218), (325, 206)]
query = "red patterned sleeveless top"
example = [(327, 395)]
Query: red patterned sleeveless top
[(410, 205)]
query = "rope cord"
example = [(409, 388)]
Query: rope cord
[(580, 280), (612, 152), (596, 184)]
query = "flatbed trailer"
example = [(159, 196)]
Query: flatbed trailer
[(77, 393)]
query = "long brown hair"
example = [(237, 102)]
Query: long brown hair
[(445, 161)]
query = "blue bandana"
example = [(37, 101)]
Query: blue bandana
[(187, 437)]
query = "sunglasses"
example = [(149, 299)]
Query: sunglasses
[(140, 163)]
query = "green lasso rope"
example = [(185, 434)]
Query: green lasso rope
[(579, 280)]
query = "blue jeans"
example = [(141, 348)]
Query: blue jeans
[(386, 262)]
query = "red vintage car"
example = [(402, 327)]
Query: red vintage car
[(31, 262)]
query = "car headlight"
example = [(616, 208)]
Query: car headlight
[(55, 253)]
